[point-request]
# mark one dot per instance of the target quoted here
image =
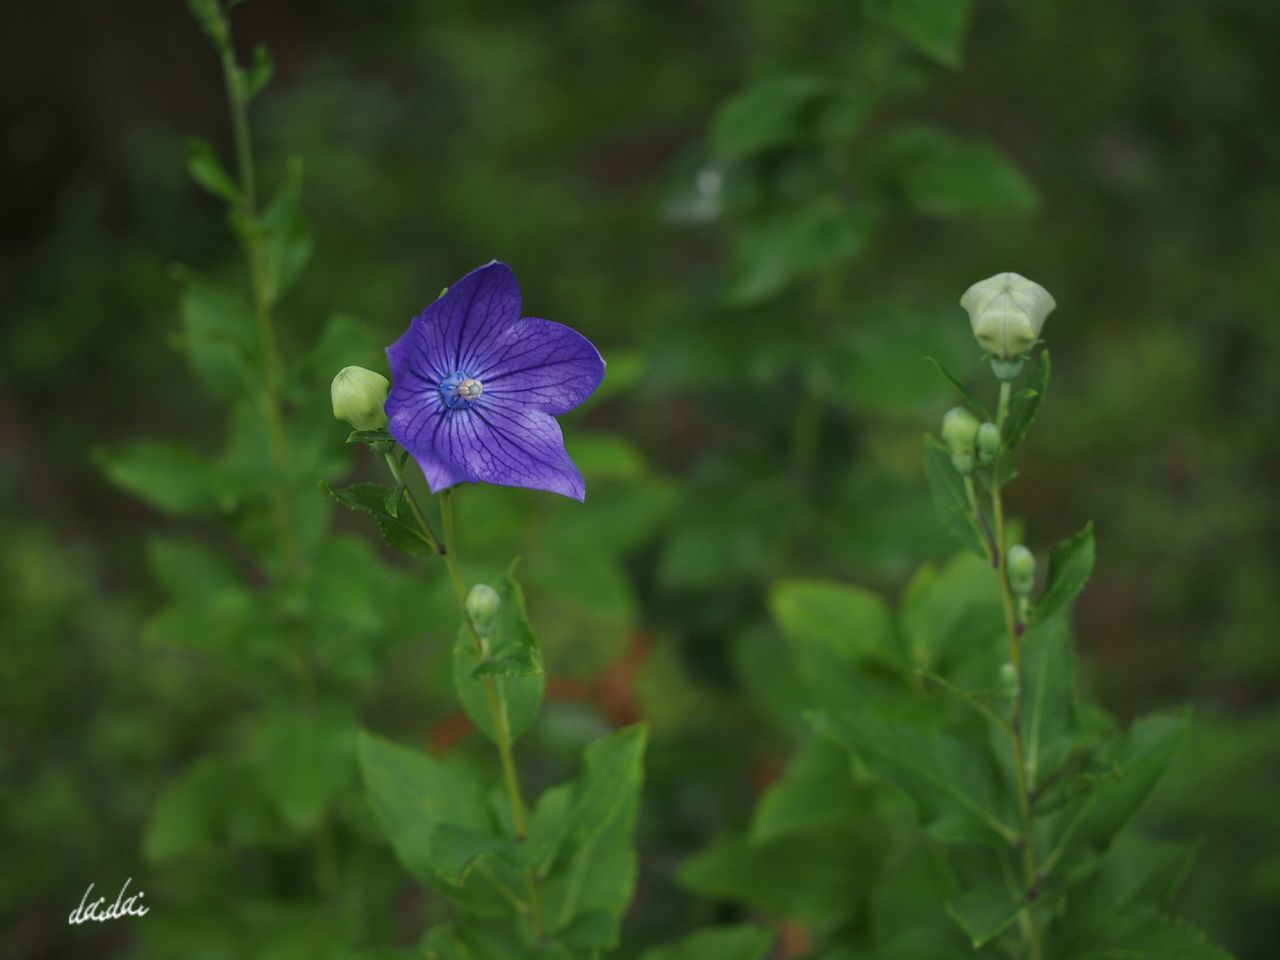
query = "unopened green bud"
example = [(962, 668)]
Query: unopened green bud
[(1009, 679), (988, 443), (1007, 312), (482, 604), (1021, 564), (359, 396), (959, 433)]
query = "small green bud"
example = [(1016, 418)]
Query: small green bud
[(988, 443), (359, 396), (1021, 564), (1009, 679), (1007, 312), (959, 433), (482, 604)]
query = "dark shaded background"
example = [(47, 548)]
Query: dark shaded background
[(554, 136)]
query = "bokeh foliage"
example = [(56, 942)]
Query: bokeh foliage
[(763, 213)]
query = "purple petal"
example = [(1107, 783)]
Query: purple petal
[(450, 334), (490, 442), (541, 364)]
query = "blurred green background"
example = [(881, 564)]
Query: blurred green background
[(765, 284)]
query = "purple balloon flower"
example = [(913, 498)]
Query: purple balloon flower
[(476, 388)]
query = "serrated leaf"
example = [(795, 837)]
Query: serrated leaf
[(372, 498), (524, 662), (207, 170), (742, 942), (1026, 402), (1070, 565), (370, 437), (518, 696), (950, 499)]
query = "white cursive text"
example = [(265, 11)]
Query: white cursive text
[(123, 907)]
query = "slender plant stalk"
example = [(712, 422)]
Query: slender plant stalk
[(1030, 923), (497, 708), (263, 297)]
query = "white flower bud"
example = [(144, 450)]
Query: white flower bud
[(482, 605), (359, 396), (1021, 564), (1007, 312), (959, 433), (988, 443)]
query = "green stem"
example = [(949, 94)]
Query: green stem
[(436, 543), (1030, 922), (497, 709), (268, 356)]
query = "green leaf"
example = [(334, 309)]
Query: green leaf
[(948, 780), (973, 404), (1070, 565), (984, 913), (1026, 402), (211, 608), (942, 176), (813, 877), (373, 498), (571, 814), (370, 437), (303, 759), (412, 796), (217, 337), (587, 897), (772, 253), (518, 696), (815, 792), (1048, 698), (742, 942), (207, 170), (1149, 938), (853, 623), (770, 113), (168, 476), (260, 73), (936, 28), (950, 499), (188, 816), (1104, 798), (456, 850), (281, 235), (512, 664)]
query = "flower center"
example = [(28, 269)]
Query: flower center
[(459, 390)]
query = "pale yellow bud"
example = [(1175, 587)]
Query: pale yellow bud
[(359, 396), (1007, 312)]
